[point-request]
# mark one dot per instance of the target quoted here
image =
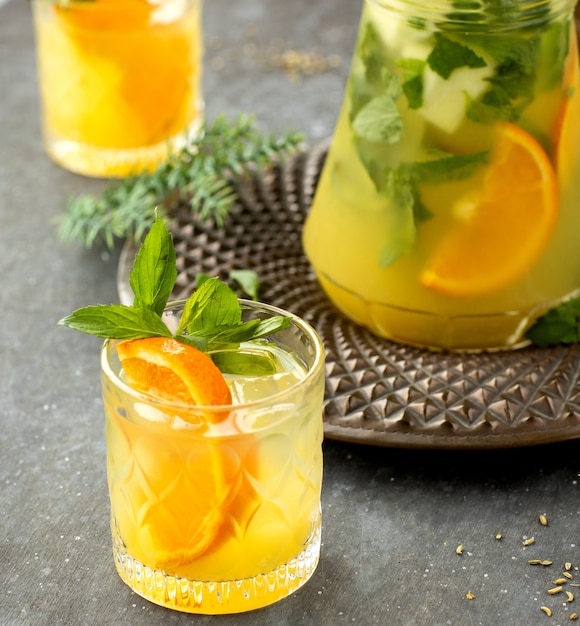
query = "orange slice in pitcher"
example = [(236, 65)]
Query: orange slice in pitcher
[(566, 133), (504, 224), (180, 483)]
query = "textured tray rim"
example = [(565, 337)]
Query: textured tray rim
[(289, 187)]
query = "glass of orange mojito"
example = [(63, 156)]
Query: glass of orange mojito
[(215, 478), (120, 81), (451, 185)]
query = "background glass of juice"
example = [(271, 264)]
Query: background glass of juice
[(120, 81), (217, 509), (453, 110)]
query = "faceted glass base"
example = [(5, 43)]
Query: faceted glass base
[(218, 597)]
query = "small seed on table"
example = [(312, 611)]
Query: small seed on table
[(573, 617), (546, 610), (554, 590), (543, 520), (529, 542), (570, 596), (470, 595), (459, 549), (559, 581)]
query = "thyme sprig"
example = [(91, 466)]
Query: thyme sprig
[(200, 173)]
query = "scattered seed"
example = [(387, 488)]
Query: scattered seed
[(574, 584), (546, 563), (459, 549), (570, 596), (568, 566), (535, 562), (573, 617), (559, 581), (470, 595), (568, 575), (543, 520), (555, 590), (499, 536), (529, 542), (546, 611)]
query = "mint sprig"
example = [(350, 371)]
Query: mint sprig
[(212, 315), (448, 55), (199, 175), (559, 325)]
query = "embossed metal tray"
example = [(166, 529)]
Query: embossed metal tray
[(377, 392)]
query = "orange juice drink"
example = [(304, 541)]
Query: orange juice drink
[(216, 509), (120, 81), (447, 211)]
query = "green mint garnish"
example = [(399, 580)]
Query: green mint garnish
[(412, 81), (211, 319), (199, 174), (448, 55), (379, 121), (559, 325)]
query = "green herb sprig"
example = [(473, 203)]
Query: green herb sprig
[(560, 325), (212, 315), (200, 173)]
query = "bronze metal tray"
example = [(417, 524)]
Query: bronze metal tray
[(377, 392)]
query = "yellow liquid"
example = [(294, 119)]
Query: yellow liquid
[(352, 226), (218, 518), (120, 82)]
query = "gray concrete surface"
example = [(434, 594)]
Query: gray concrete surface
[(392, 518)]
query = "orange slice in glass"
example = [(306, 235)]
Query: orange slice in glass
[(171, 507), (503, 226), (174, 371)]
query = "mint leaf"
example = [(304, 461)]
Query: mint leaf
[(211, 318), (248, 280), (154, 271), (513, 83), (448, 55), (210, 309), (559, 325), (412, 83), (448, 167), (116, 321), (249, 331), (244, 364), (372, 53), (379, 121), (402, 234)]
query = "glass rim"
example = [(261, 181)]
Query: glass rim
[(524, 13), (311, 372)]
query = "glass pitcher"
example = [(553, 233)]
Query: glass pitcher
[(447, 211)]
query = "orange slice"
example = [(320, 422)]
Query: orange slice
[(566, 133), (170, 508), (502, 226), (173, 370), (106, 14)]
